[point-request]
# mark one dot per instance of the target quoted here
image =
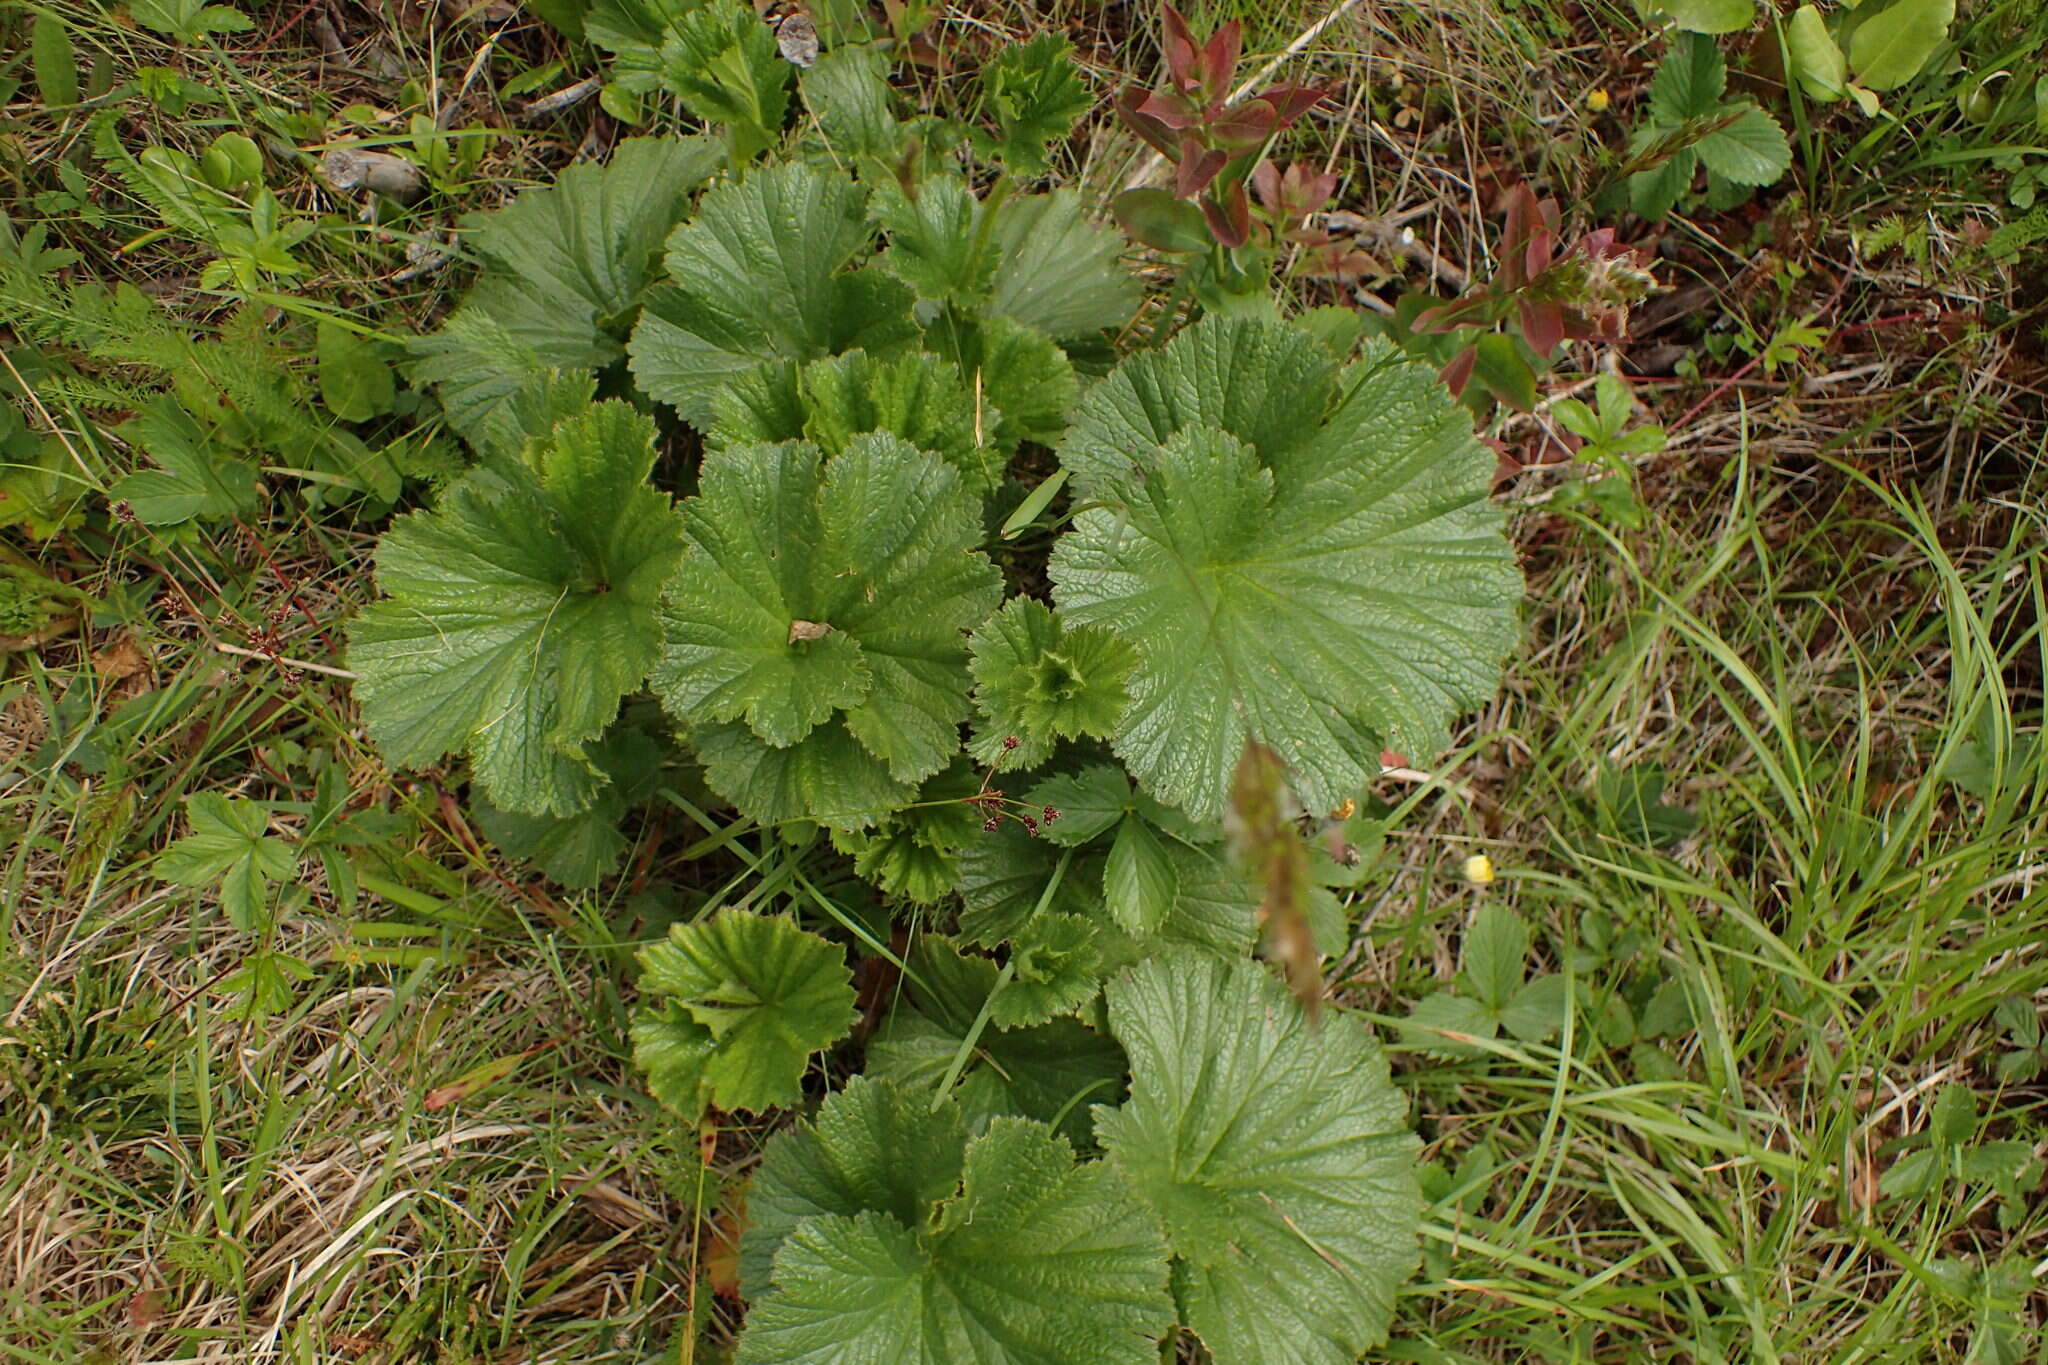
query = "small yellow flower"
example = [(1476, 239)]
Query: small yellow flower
[(1479, 870), (1597, 99)]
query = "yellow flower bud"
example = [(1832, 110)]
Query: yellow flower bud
[(1597, 99), (1479, 870)]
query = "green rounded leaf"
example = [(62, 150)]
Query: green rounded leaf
[(751, 997), (824, 602), (1301, 561), (1036, 1260), (1276, 1152), (873, 1147), (519, 611), (760, 274)]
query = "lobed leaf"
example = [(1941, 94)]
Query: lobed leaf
[(519, 611), (1309, 564), (750, 998), (815, 627), (760, 274), (1277, 1155), (1037, 1259)]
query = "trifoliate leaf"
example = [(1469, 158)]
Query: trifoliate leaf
[(874, 1147), (1035, 1260), (917, 396), (1689, 81), (1052, 1071), (721, 59), (1035, 93), (1004, 876), (822, 600), (1025, 380), (519, 611), (915, 853), (1055, 271), (192, 479), (1041, 680), (1315, 567), (1752, 150), (580, 850), (1291, 1208), (751, 998), (230, 844), (565, 269), (1655, 192), (758, 276)]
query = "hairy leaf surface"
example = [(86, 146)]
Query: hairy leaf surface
[(818, 620), (760, 274), (1302, 560), (1277, 1154), (519, 611), (1035, 1260)]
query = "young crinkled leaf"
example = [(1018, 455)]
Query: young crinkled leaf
[(1035, 1260), (814, 632), (1035, 92), (915, 853), (1301, 559), (748, 999), (519, 611), (1038, 680), (917, 396), (759, 275), (1291, 1210)]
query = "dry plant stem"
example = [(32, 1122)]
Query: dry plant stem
[(309, 667), (1153, 165)]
